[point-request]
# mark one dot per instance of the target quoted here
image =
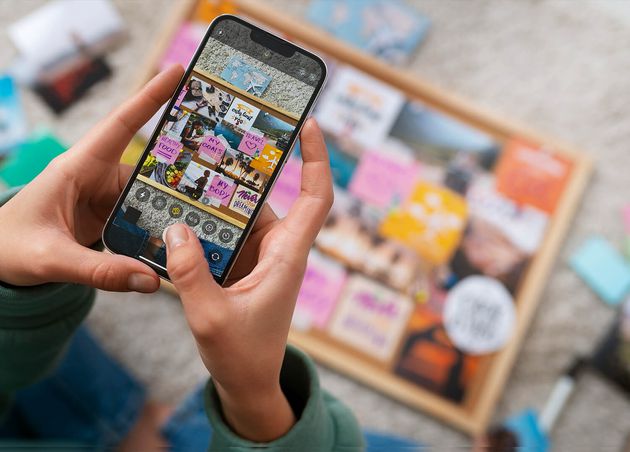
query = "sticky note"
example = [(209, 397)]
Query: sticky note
[(30, 158), (380, 179), (221, 188), (252, 144), (603, 268), (212, 148), (166, 149)]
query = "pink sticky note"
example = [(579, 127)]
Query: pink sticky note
[(183, 46), (166, 149), (287, 187), (180, 98), (252, 143), (626, 218), (221, 188), (213, 148), (380, 179), (321, 287)]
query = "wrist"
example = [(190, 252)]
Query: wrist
[(261, 417)]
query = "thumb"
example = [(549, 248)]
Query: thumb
[(187, 266), (105, 271)]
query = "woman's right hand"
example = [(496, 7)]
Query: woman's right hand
[(241, 330)]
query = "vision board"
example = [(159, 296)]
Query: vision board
[(446, 223)]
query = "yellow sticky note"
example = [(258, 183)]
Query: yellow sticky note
[(431, 222)]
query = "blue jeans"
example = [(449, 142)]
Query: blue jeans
[(92, 400)]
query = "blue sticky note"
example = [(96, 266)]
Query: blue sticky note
[(245, 76), (603, 268)]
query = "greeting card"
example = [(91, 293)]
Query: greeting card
[(244, 201), (370, 317), (359, 107), (241, 114), (430, 221)]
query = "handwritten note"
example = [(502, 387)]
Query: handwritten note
[(221, 188), (382, 180), (287, 187), (321, 287), (370, 317), (212, 148), (252, 144), (244, 201), (166, 149)]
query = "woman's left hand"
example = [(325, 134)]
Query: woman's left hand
[(47, 228)]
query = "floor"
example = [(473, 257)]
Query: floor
[(559, 66)]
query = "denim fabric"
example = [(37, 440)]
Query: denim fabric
[(90, 399), (188, 428)]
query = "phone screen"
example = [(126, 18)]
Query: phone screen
[(219, 146)]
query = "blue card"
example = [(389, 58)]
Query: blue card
[(245, 76), (12, 121), (388, 29), (603, 268)]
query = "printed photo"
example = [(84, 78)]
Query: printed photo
[(254, 179), (195, 180), (230, 133), (246, 77), (206, 99), (168, 174), (437, 138), (276, 132), (234, 164), (196, 130), (429, 359)]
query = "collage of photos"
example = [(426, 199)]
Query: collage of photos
[(424, 204), (218, 149)]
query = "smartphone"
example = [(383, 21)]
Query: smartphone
[(219, 145)]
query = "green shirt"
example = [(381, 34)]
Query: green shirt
[(36, 324)]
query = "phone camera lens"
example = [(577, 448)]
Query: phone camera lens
[(220, 32)]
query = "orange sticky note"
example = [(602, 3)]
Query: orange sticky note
[(431, 221), (532, 176)]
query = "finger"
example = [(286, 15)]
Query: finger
[(111, 136), (188, 269), (308, 213), (124, 173), (104, 271), (265, 218)]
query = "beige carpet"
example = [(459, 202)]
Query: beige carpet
[(560, 66)]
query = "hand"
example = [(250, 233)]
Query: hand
[(241, 331), (47, 228)]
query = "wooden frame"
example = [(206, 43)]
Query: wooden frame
[(474, 414)]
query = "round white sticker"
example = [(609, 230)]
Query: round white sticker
[(479, 315)]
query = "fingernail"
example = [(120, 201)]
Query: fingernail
[(141, 282), (175, 235)]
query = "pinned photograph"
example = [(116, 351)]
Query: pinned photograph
[(245, 76), (206, 99)]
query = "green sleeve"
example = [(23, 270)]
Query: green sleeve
[(36, 324), (324, 423)]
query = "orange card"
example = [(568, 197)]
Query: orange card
[(267, 161), (431, 221), (532, 176)]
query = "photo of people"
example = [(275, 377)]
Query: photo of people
[(206, 99), (232, 134), (195, 180), (277, 132), (234, 164), (197, 128)]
